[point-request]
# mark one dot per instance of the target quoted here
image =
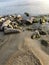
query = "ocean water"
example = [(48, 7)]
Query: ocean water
[(20, 9)]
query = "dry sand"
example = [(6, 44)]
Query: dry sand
[(20, 49)]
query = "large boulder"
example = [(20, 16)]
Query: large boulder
[(10, 30)]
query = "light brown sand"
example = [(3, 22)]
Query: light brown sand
[(20, 49)]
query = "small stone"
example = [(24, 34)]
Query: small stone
[(27, 14), (35, 35), (19, 17)]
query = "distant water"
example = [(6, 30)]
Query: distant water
[(20, 9)]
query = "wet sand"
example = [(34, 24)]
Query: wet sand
[(20, 49)]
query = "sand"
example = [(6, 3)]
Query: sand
[(20, 49)]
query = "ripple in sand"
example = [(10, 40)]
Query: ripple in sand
[(23, 58)]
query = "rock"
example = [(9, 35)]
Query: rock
[(41, 32), (44, 43), (35, 35), (29, 29), (6, 18), (1, 22), (29, 20), (19, 17), (2, 19), (14, 15), (6, 23), (14, 24), (35, 20), (10, 30), (27, 14), (18, 27), (10, 26), (42, 21), (11, 18)]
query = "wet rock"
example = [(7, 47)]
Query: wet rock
[(35, 35), (42, 21), (27, 14), (35, 20), (42, 32), (44, 43)]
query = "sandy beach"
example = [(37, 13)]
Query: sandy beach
[(24, 41), (24, 32), (20, 49)]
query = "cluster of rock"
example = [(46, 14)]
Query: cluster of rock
[(14, 23), (9, 24), (37, 34)]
